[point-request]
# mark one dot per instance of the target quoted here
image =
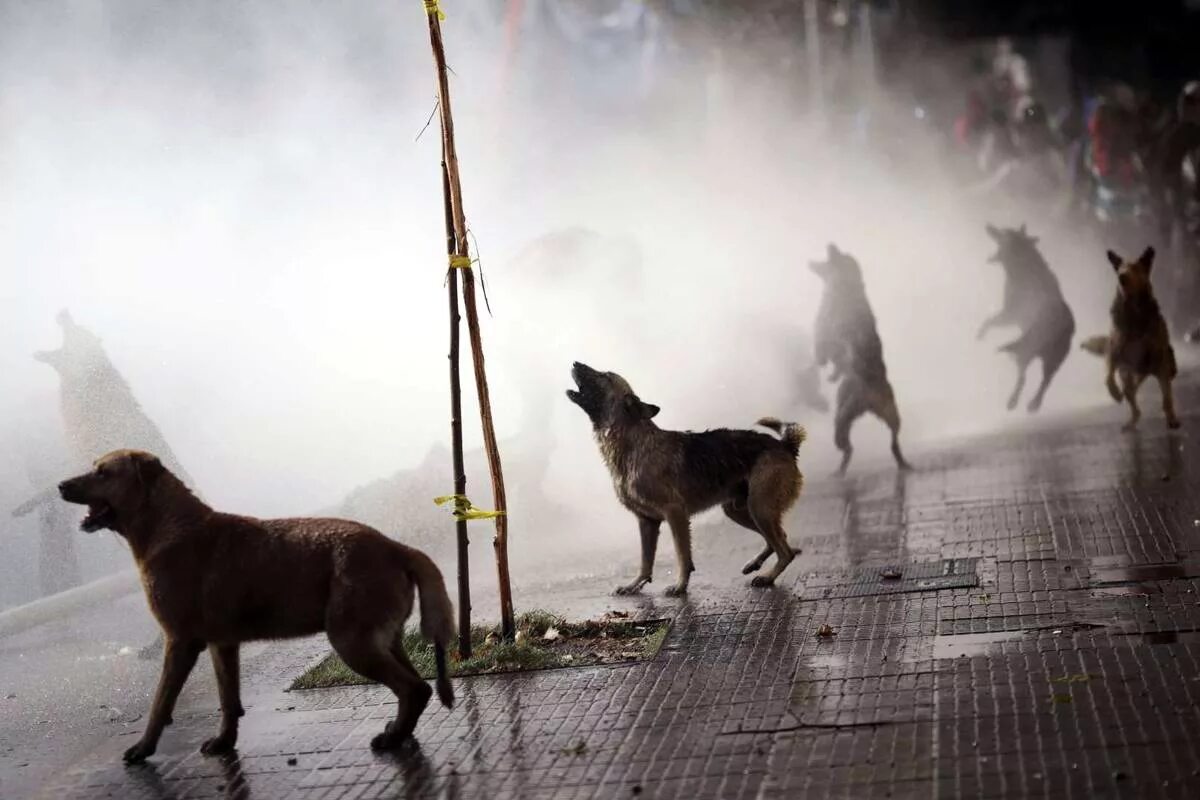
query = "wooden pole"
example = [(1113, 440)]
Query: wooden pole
[(462, 255), (456, 443)]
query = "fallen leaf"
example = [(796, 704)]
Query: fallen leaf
[(1078, 678), (890, 573), (577, 749), (1060, 698), (826, 630), (551, 634)]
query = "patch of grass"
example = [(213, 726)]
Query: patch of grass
[(609, 640)]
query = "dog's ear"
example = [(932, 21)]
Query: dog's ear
[(1115, 260), (148, 468), (994, 232), (1146, 259), (832, 251), (1023, 231), (637, 408)]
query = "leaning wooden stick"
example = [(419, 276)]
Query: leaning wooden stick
[(461, 260), (456, 442)]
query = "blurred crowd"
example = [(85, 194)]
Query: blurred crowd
[(1120, 160)]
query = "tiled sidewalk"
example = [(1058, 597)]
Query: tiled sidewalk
[(1043, 639)]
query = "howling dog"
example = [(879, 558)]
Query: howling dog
[(1033, 302), (1139, 346), (215, 580), (670, 476), (845, 335)]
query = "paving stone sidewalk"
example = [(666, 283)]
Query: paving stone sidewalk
[(1042, 638)]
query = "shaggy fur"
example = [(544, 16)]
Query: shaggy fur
[(670, 476), (216, 580)]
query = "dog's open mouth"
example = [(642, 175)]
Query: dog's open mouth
[(100, 515)]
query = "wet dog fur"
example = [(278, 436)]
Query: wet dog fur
[(215, 580), (1139, 345), (670, 476), (845, 335), (1034, 303)]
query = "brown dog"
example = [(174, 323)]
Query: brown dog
[(673, 475), (216, 580), (1139, 346)]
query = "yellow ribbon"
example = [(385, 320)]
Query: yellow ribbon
[(460, 262), (464, 509), (433, 9)]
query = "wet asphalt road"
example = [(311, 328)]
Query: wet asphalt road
[(1017, 617)]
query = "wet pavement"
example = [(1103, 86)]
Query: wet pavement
[(1018, 617)]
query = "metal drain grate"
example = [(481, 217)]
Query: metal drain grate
[(930, 576)]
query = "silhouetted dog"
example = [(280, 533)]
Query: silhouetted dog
[(1033, 302), (845, 336), (673, 475), (1139, 345)]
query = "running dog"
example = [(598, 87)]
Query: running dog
[(1139, 346), (670, 476), (215, 580), (845, 335), (1033, 302)]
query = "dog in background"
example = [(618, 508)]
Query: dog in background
[(216, 580), (1033, 302), (670, 476), (1139, 345), (845, 335)]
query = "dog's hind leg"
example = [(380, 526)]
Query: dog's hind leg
[(740, 515), (364, 652), (1110, 377), (890, 415), (681, 533), (178, 660), (773, 489), (225, 665), (648, 529), (1168, 401), (1051, 363), (1130, 384), (850, 406)]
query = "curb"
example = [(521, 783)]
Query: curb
[(30, 615)]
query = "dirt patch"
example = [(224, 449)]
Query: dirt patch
[(543, 641)]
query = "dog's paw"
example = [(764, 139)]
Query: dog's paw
[(762, 581), (752, 566), (1129, 427), (1115, 392), (1012, 402), (1034, 405), (1174, 424), (628, 589), (678, 590), (139, 753), (218, 746)]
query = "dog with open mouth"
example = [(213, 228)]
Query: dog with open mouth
[(215, 580), (670, 476)]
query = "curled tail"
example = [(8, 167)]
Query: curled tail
[(1096, 345), (792, 434), (437, 616)]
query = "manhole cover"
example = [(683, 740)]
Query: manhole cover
[(929, 576)]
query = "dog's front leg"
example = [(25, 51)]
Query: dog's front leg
[(1130, 384), (648, 528), (178, 659), (988, 324), (681, 532), (225, 665)]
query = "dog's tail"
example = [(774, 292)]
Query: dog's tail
[(792, 434), (1096, 345), (437, 616)]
